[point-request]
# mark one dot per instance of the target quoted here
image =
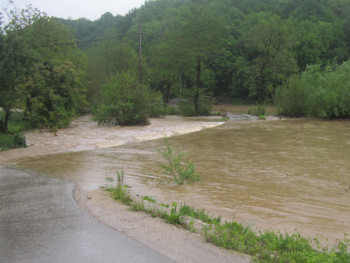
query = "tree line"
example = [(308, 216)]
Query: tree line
[(126, 68)]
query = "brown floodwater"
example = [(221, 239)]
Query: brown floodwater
[(283, 175)]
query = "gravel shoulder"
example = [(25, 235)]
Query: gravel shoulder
[(171, 241)]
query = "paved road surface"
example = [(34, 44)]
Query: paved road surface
[(41, 222)]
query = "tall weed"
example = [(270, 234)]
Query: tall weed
[(176, 166)]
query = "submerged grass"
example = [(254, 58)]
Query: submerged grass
[(262, 246)]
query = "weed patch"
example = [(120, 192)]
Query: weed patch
[(149, 199), (176, 166)]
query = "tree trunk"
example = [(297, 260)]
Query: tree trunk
[(6, 121), (198, 88), (261, 87), (140, 53), (166, 94)]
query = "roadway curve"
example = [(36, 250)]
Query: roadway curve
[(41, 222)]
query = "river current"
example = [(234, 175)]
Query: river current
[(281, 175)]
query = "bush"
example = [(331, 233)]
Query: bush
[(11, 141), (322, 93), (19, 140), (125, 102), (181, 170), (125, 113), (156, 107), (172, 110), (291, 98), (257, 110), (186, 108), (14, 138)]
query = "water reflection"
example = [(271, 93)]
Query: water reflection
[(281, 175)]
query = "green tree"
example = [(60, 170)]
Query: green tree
[(268, 46), (107, 58), (195, 34), (56, 88), (15, 61)]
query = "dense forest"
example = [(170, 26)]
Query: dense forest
[(124, 69)]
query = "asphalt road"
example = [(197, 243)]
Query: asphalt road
[(41, 222)]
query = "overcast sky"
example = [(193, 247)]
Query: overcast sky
[(90, 9)]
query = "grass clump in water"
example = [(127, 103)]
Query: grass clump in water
[(120, 193), (176, 167)]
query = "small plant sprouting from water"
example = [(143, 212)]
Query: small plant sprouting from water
[(257, 110), (117, 177), (120, 177), (261, 117), (176, 166), (119, 191)]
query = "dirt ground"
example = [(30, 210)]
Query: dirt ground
[(174, 242)]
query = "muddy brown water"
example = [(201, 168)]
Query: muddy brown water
[(281, 175)]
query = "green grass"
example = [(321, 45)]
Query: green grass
[(273, 247), (201, 215), (261, 117), (149, 199), (120, 193), (14, 138), (262, 246)]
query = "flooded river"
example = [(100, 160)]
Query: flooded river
[(283, 175)]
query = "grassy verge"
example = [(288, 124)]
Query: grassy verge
[(262, 246)]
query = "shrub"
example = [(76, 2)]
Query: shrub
[(172, 110), (322, 93), (125, 102), (10, 141), (257, 110), (175, 166), (156, 106), (186, 107), (291, 98), (19, 140)]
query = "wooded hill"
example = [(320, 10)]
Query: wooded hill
[(123, 67), (243, 49)]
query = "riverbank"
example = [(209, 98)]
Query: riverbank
[(176, 243)]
